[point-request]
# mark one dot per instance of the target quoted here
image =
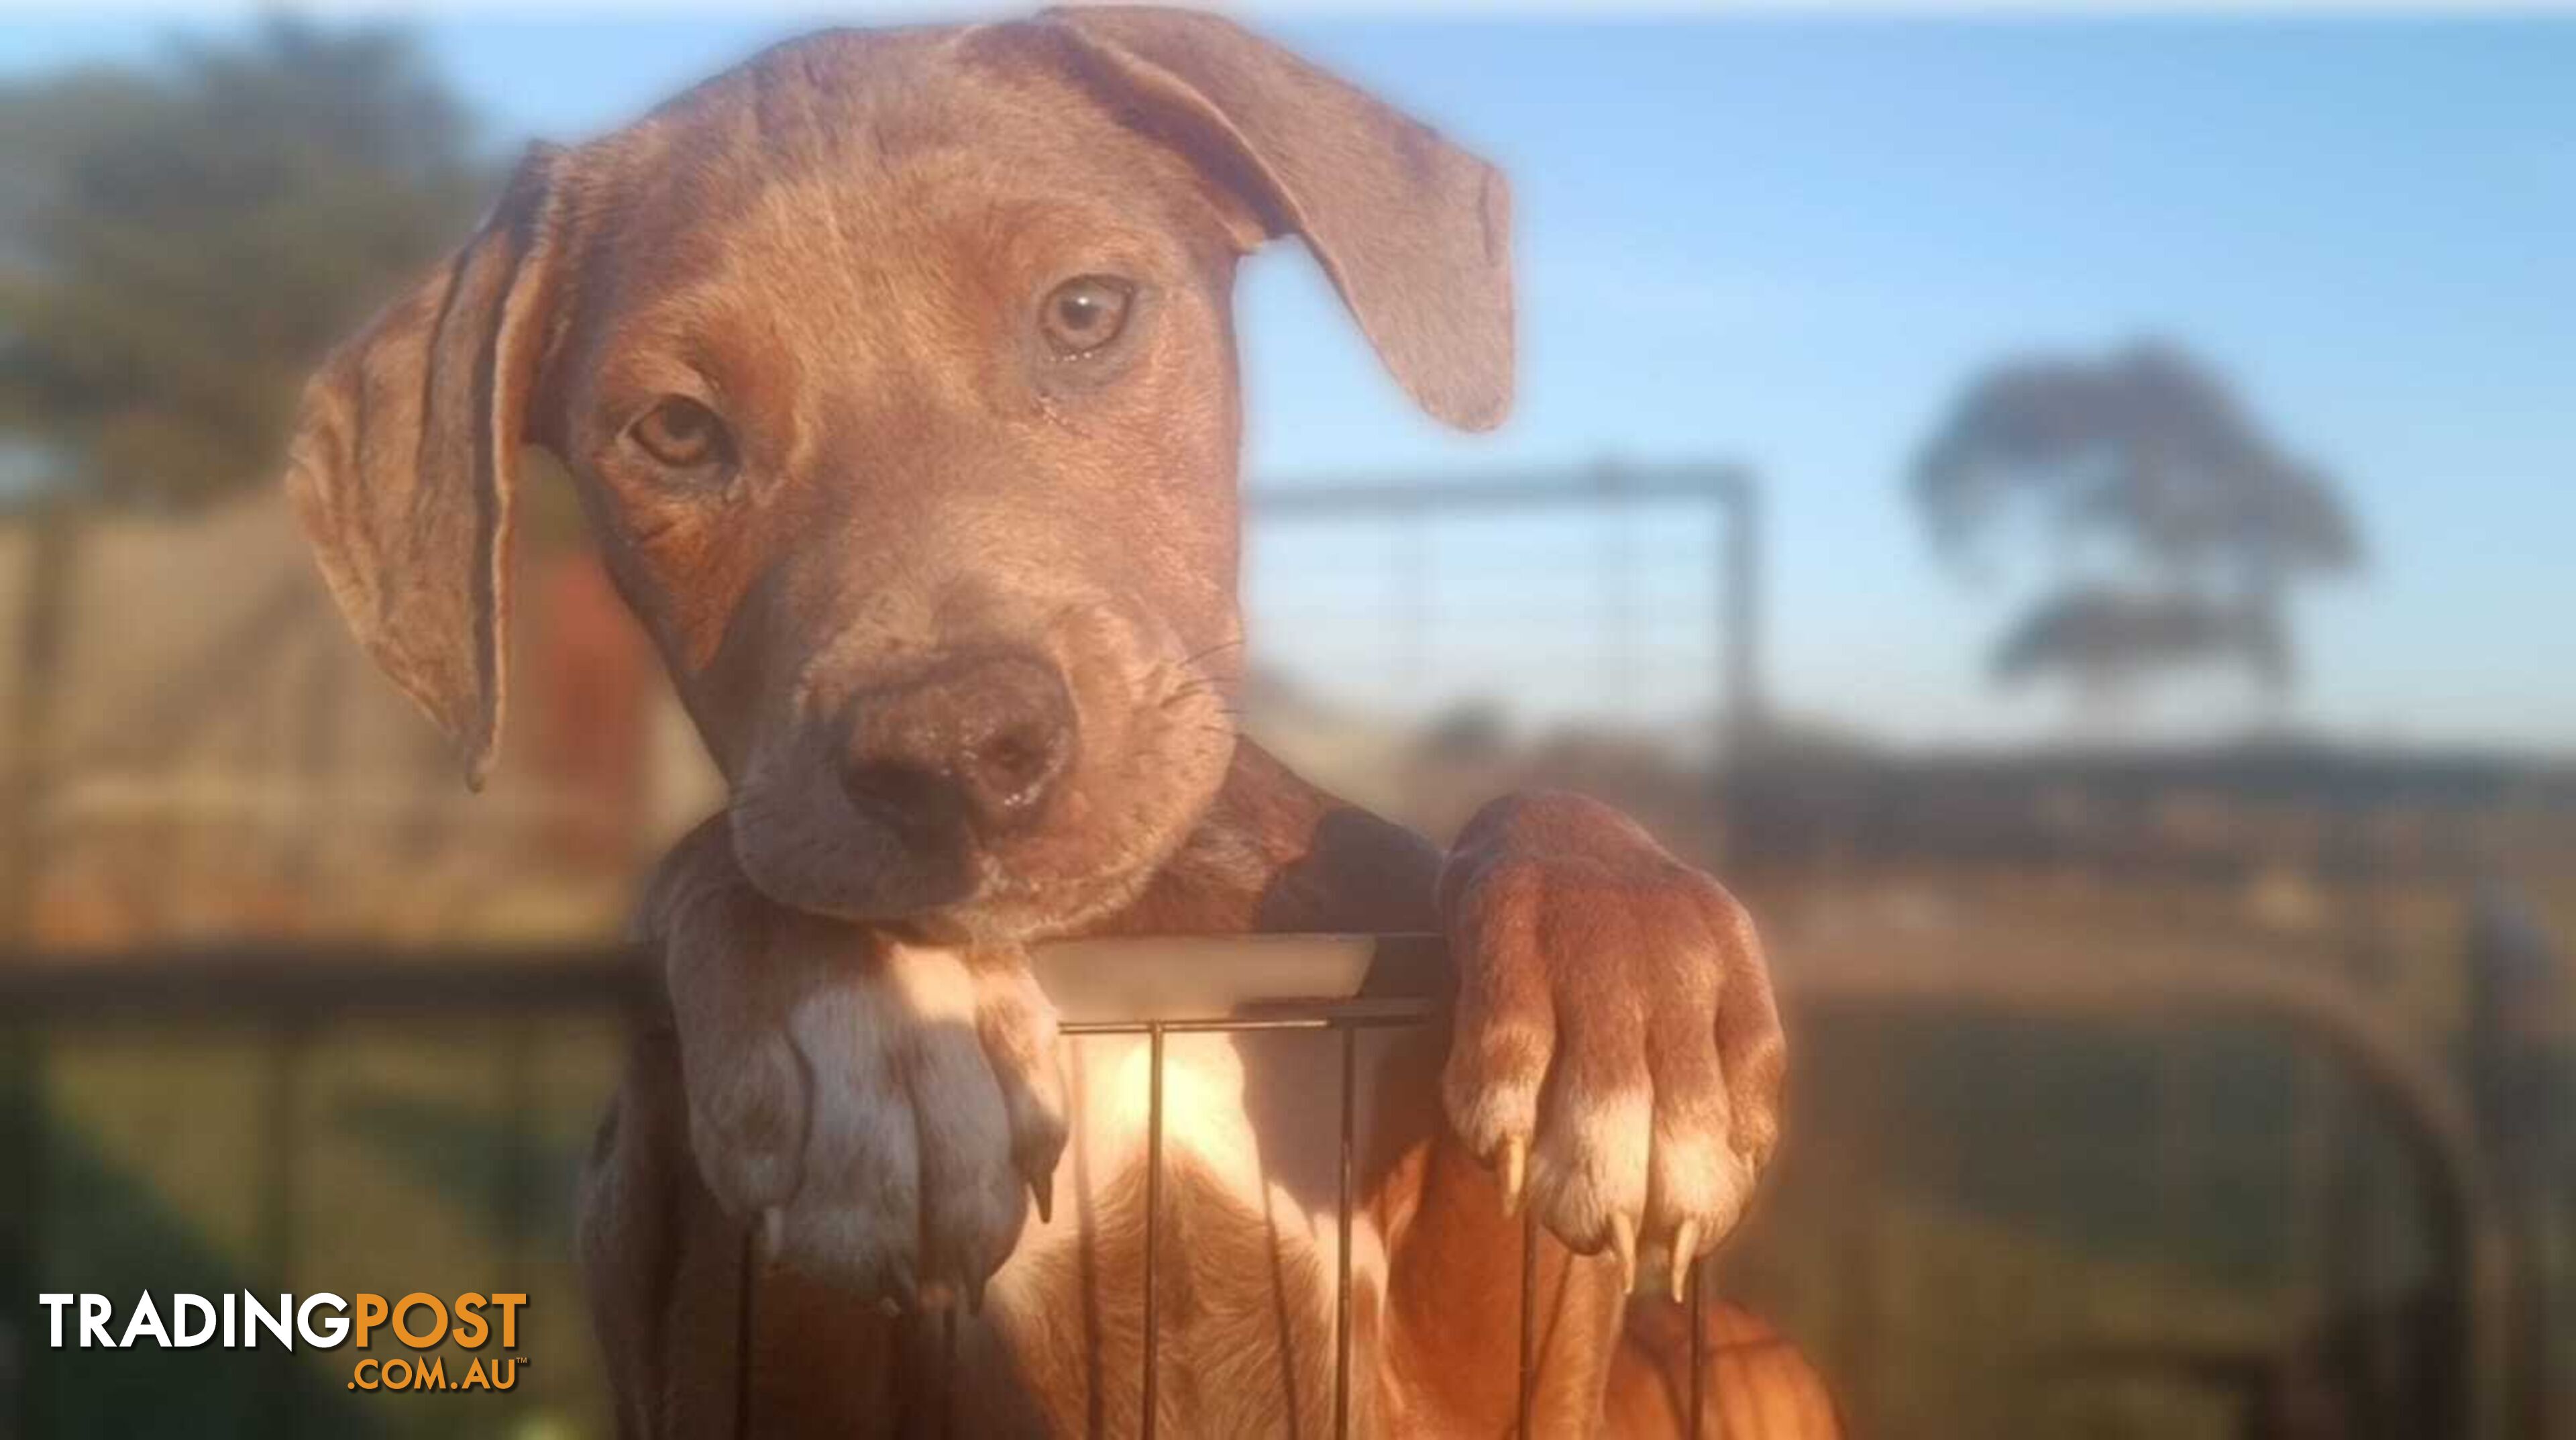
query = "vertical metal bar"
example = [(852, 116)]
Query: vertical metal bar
[(1342, 1290), (1618, 610), (1740, 615), (280, 1203), (1420, 597), (25, 1205), (1153, 1211), (46, 614), (948, 1371), (1698, 1348), (517, 1190), (1529, 1324), (746, 1329)]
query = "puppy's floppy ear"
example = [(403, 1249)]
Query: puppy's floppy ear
[(1413, 231), (405, 457)]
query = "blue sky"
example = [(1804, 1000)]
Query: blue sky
[(1789, 240)]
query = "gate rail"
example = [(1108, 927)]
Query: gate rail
[(285, 987)]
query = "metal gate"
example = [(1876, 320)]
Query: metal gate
[(282, 994), (1342, 1021)]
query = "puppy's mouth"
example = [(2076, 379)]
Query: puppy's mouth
[(977, 821)]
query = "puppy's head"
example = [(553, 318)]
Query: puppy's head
[(896, 374)]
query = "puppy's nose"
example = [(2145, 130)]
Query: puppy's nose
[(989, 735)]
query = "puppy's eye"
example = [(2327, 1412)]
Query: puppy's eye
[(1085, 313), (683, 434)]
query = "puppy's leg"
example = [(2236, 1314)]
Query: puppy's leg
[(1615, 1060), (857, 1115), (664, 1270), (875, 1106), (1754, 1385), (1618, 1056), (1276, 854), (1456, 1285)]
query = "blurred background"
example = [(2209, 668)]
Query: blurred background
[(2064, 513)]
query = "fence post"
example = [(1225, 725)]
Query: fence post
[(24, 1399), (1739, 621), (54, 536), (279, 1201), (2512, 1067)]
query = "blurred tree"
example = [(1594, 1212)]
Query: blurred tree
[(178, 246), (2176, 523)]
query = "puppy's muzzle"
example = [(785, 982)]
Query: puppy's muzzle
[(978, 743)]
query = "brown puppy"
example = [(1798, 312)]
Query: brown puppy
[(896, 373)]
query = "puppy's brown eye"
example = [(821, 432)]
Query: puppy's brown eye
[(1085, 313), (683, 434)]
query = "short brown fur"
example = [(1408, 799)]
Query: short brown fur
[(954, 611)]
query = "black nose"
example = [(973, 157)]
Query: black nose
[(988, 735)]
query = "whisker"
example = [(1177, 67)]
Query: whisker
[(1234, 644), (1195, 690)]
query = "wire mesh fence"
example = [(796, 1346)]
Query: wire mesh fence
[(1615, 595), (1342, 1023)]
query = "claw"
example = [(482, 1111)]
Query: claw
[(1685, 1254), (1513, 1164), (1623, 1241), (1042, 1190), (773, 1232), (975, 1296)]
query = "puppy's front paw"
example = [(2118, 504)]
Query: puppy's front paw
[(1618, 1055), (877, 1106)]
